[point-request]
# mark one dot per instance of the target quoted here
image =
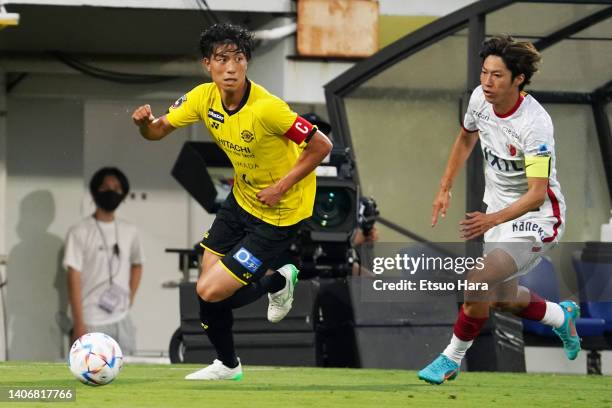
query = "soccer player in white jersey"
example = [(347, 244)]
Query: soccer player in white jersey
[(525, 207)]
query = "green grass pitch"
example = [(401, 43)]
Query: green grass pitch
[(150, 386)]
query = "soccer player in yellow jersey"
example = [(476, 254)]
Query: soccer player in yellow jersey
[(274, 153)]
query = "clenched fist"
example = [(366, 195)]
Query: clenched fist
[(143, 116)]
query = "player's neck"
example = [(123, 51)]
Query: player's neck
[(231, 100), (104, 216), (509, 105)]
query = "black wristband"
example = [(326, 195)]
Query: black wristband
[(311, 134)]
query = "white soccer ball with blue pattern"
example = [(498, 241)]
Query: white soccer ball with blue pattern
[(95, 359)]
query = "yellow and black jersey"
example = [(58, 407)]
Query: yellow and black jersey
[(263, 139)]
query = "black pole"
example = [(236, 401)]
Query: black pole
[(475, 174), (573, 28)]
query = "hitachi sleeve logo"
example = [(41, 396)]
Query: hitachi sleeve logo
[(214, 115)]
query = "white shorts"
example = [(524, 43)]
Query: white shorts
[(526, 239)]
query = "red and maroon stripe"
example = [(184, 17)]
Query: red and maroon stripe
[(556, 213)]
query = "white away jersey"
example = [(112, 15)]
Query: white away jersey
[(506, 141)]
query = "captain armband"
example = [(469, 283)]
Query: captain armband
[(537, 166), (301, 131)]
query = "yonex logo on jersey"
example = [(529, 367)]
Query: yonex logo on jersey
[(214, 115), (247, 259)]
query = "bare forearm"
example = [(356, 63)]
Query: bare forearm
[(154, 130), (311, 157), (150, 127), (74, 296), (462, 148), (135, 276), (529, 201)]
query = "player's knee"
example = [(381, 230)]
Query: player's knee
[(204, 288), (205, 291), (200, 288), (210, 292)]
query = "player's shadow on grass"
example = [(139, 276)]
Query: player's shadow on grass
[(33, 275)]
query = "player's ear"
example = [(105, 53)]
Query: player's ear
[(519, 79), (206, 64)]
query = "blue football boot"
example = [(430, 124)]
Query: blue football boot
[(567, 332), (439, 370)]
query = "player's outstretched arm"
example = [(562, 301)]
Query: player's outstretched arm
[(478, 223), (318, 147), (463, 146), (150, 127)]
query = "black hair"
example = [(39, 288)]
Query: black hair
[(98, 178), (226, 34), (520, 57)]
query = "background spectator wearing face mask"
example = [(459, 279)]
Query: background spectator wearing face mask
[(104, 259)]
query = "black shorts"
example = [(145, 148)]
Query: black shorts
[(247, 245)]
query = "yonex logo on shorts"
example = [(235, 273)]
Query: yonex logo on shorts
[(247, 259)]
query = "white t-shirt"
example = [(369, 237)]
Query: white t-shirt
[(93, 255), (506, 140)]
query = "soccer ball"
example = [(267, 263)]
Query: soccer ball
[(95, 359)]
